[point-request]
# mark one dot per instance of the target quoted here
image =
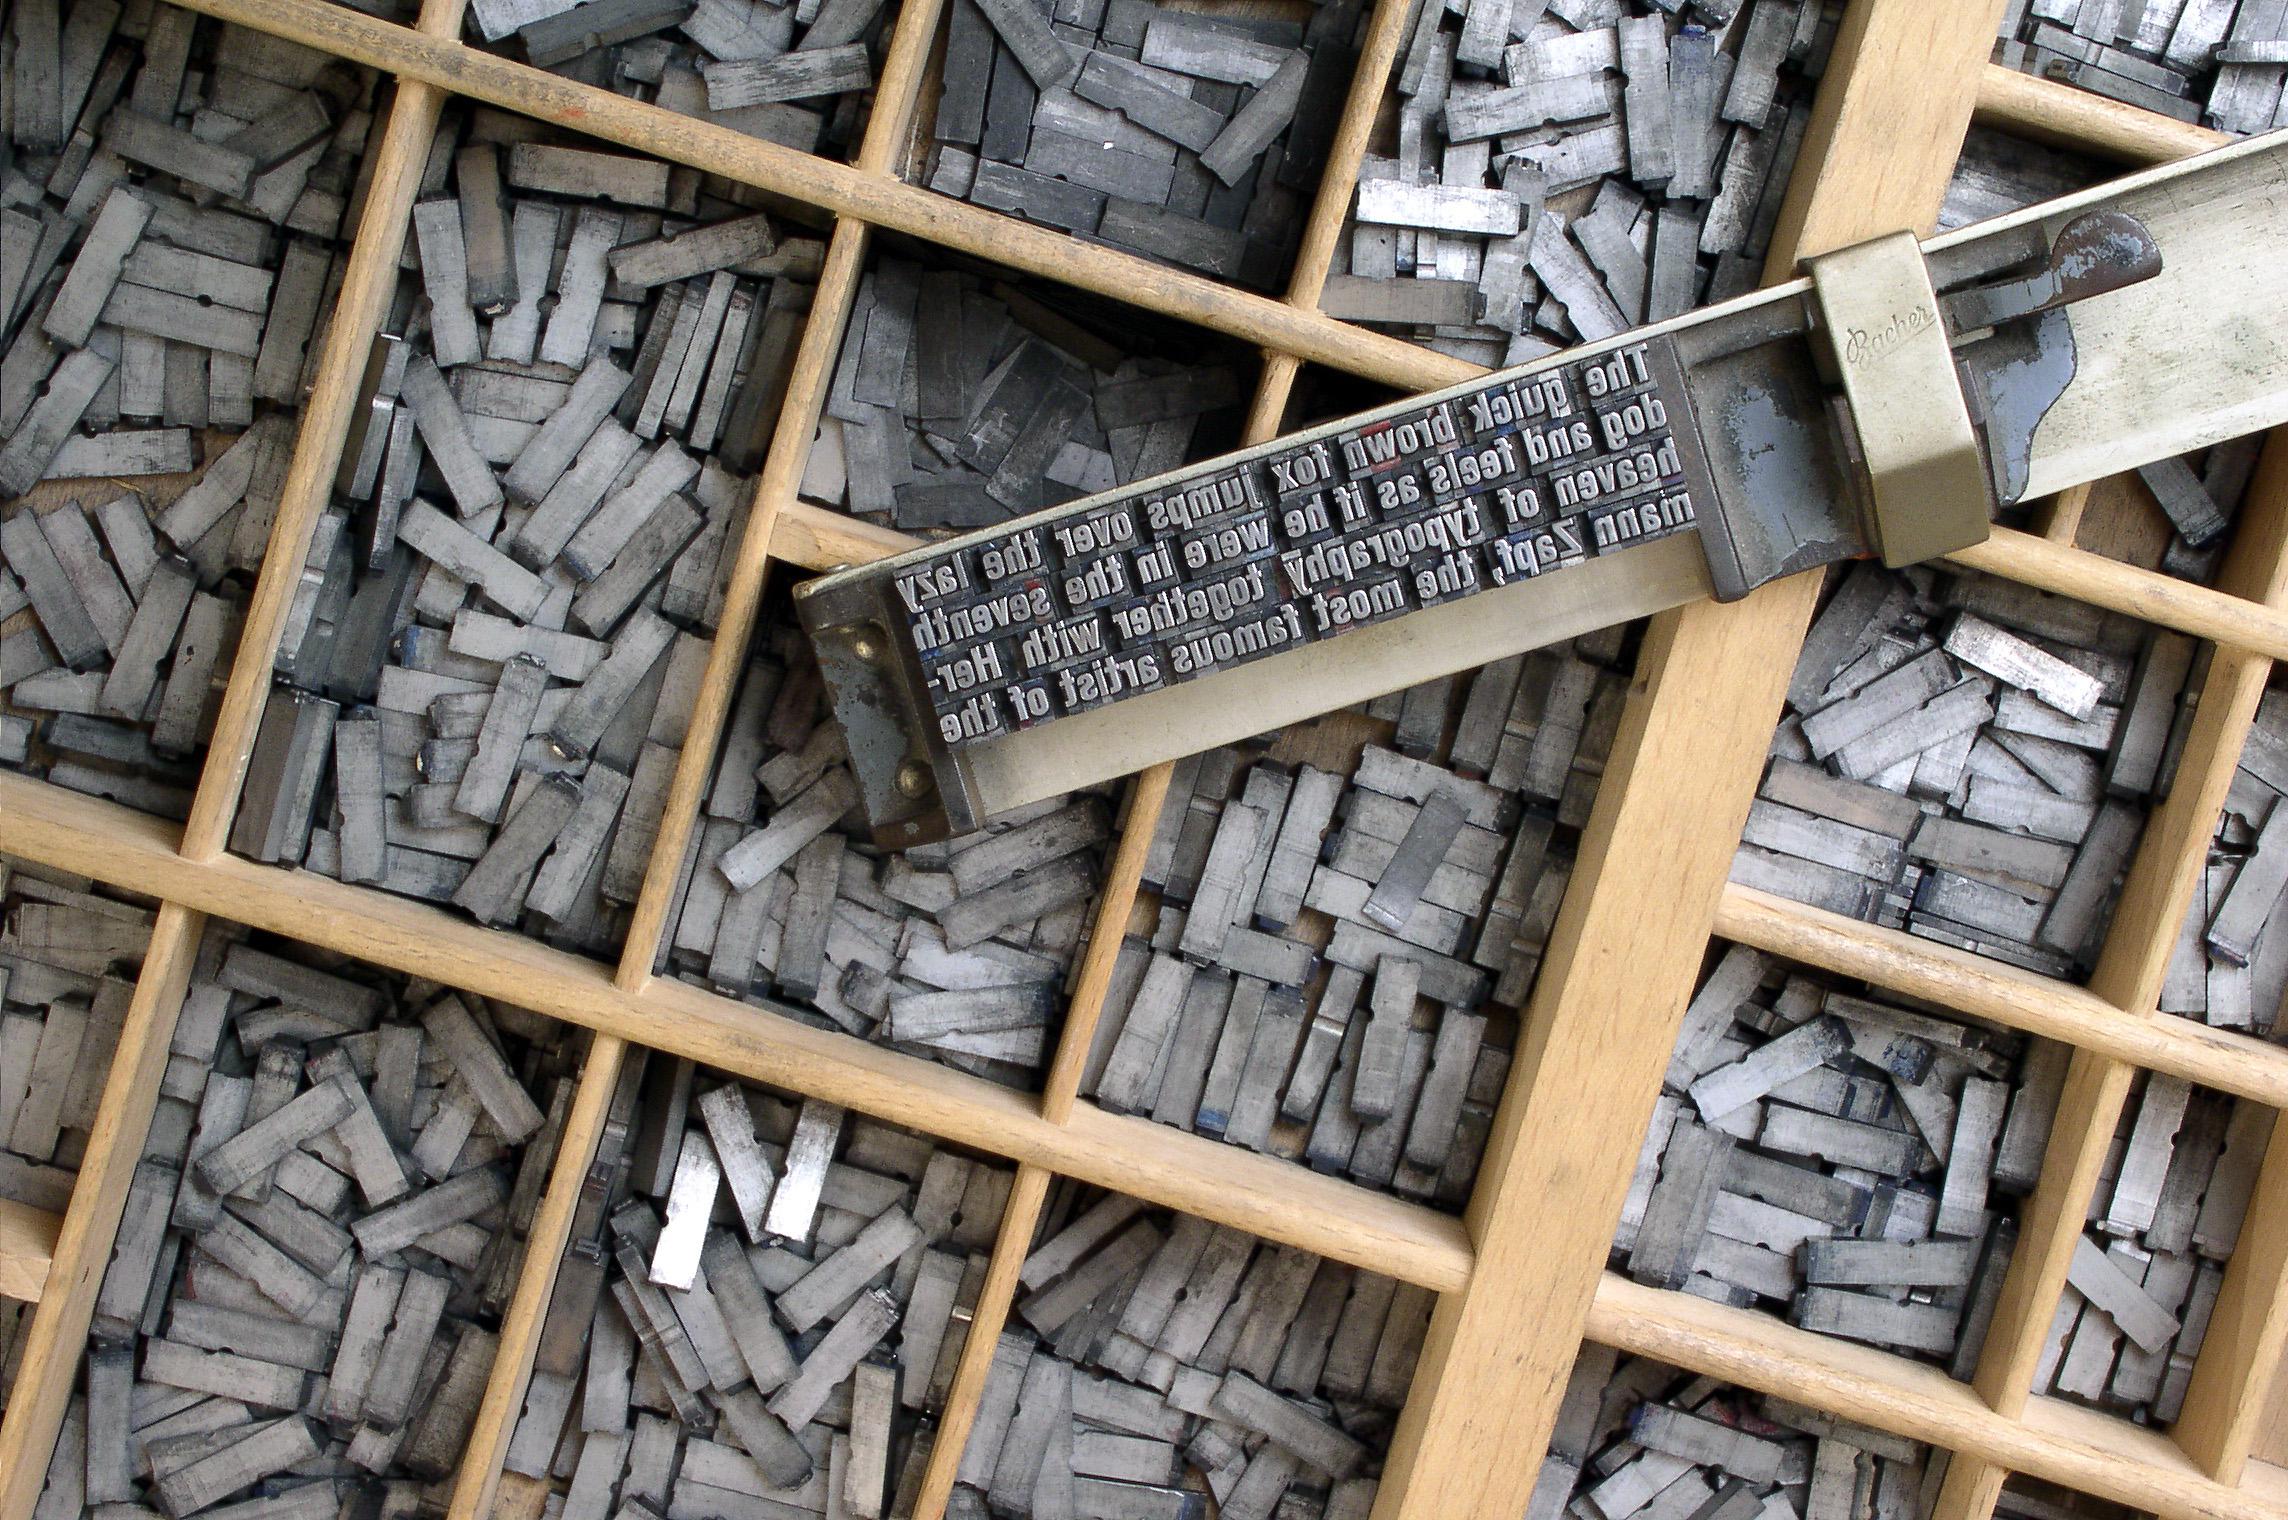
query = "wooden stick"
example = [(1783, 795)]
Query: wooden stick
[(1904, 963), (819, 538), (1971, 1489), (2146, 595), (2059, 518), (474, 1490), (2240, 1358), (2227, 1398), (368, 285), (2049, 1226), (1123, 876), (743, 595), (58, 1334), (832, 301), (2066, 117), (1020, 1217)]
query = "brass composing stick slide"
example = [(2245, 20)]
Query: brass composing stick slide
[(1885, 404)]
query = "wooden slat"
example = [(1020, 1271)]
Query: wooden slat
[(1116, 898), (793, 434), (2049, 1225), (52, 1346), (2097, 1086), (27, 1246), (2067, 117), (1970, 1489), (847, 190), (369, 283), (1115, 901), (2146, 595), (2129, 971), (749, 572), (818, 538), (2223, 1419), (1885, 129), (2058, 518), (1270, 1197), (477, 1485), (1904, 963), (1019, 1218), (2230, 1394), (2057, 1440)]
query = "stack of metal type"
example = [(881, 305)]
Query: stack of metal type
[(2230, 966), (68, 958), (1638, 1438), (500, 628), (1971, 760), (799, 73), (1998, 173), (957, 951), (2198, 497), (1187, 137), (317, 1245), (1151, 1351), (176, 200), (2218, 62), (760, 1309), (2144, 1277), (960, 401), (1567, 169), (1841, 1158), (1336, 937)]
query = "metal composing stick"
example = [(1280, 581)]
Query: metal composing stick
[(1886, 404)]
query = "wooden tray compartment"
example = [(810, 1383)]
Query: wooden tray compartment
[(1519, 1282)]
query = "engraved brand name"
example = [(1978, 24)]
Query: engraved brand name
[(1864, 347)]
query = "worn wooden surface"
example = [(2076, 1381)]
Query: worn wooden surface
[(27, 1246), (1603, 1017), (1522, 1280)]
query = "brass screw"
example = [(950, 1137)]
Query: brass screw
[(863, 646), (914, 779)]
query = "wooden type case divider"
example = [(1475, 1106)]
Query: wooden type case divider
[(1521, 1277)]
